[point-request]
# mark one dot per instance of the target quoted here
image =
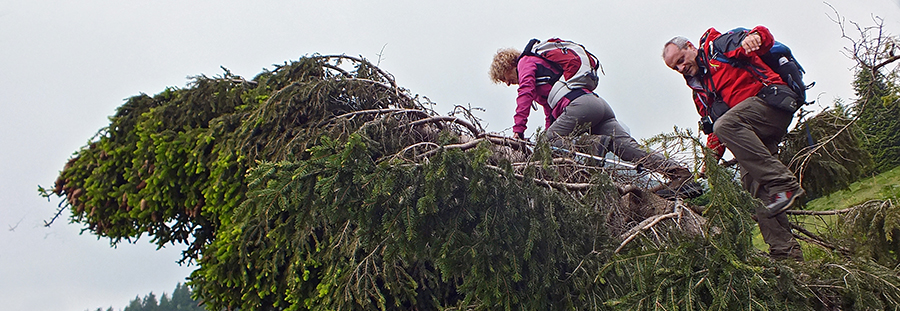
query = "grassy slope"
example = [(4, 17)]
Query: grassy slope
[(883, 186), (879, 187)]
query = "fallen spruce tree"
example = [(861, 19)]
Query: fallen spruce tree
[(322, 185)]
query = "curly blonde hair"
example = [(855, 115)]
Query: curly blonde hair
[(504, 61)]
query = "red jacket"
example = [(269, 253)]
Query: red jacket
[(722, 80)]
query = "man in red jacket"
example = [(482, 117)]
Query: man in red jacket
[(726, 97)]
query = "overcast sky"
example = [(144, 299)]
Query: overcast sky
[(66, 65)]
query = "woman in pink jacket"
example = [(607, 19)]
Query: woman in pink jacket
[(532, 75)]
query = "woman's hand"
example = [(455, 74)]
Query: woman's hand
[(519, 136)]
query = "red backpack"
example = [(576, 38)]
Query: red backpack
[(576, 68)]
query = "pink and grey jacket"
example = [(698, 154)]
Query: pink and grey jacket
[(534, 87)]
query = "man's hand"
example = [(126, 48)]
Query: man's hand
[(751, 42), (702, 173), (728, 163)]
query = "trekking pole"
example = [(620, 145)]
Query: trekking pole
[(638, 167)]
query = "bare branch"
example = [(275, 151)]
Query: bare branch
[(59, 211), (338, 69), (351, 115), (387, 76), (424, 143), (463, 146), (886, 62), (643, 226), (813, 238), (820, 213), (550, 183), (647, 224), (457, 120)]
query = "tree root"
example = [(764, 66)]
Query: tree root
[(683, 216)]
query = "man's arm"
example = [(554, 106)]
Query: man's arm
[(712, 142), (745, 44)]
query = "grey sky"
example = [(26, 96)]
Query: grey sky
[(66, 65)]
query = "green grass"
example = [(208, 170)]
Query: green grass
[(879, 187)]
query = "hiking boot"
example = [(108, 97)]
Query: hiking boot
[(603, 144), (687, 190), (782, 201), (677, 174), (795, 253)]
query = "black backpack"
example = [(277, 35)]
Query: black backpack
[(779, 59)]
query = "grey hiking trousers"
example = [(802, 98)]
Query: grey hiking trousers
[(592, 111), (752, 130)]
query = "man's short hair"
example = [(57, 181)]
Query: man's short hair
[(679, 41)]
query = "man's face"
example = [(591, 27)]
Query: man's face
[(681, 60)]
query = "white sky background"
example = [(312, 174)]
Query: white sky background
[(65, 66)]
